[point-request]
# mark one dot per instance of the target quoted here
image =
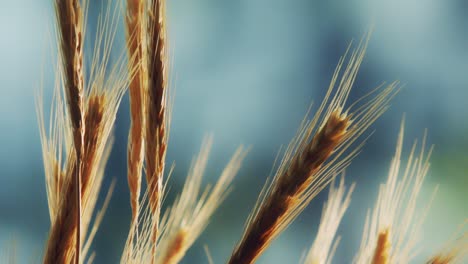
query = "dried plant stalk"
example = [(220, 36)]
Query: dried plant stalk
[(392, 231), (311, 161), (135, 24), (324, 246)]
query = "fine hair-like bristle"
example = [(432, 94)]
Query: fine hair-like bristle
[(325, 244), (393, 229), (313, 158)]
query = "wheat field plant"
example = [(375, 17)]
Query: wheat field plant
[(77, 128)]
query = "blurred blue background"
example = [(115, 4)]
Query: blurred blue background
[(246, 71)]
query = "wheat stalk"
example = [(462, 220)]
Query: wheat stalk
[(306, 168)]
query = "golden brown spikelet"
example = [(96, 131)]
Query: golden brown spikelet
[(393, 229), (156, 106), (70, 22), (175, 250), (312, 159), (325, 244), (135, 29), (382, 248)]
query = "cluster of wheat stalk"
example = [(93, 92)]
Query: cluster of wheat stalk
[(78, 138)]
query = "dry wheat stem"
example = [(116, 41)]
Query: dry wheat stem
[(313, 158), (135, 29)]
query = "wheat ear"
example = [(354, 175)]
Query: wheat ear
[(156, 126), (313, 158), (393, 229), (325, 244), (135, 26), (70, 21)]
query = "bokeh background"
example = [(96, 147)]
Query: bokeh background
[(246, 72)]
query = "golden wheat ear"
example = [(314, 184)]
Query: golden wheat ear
[(135, 36), (70, 24), (393, 228), (150, 114), (156, 115), (313, 158), (76, 186), (325, 244)]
